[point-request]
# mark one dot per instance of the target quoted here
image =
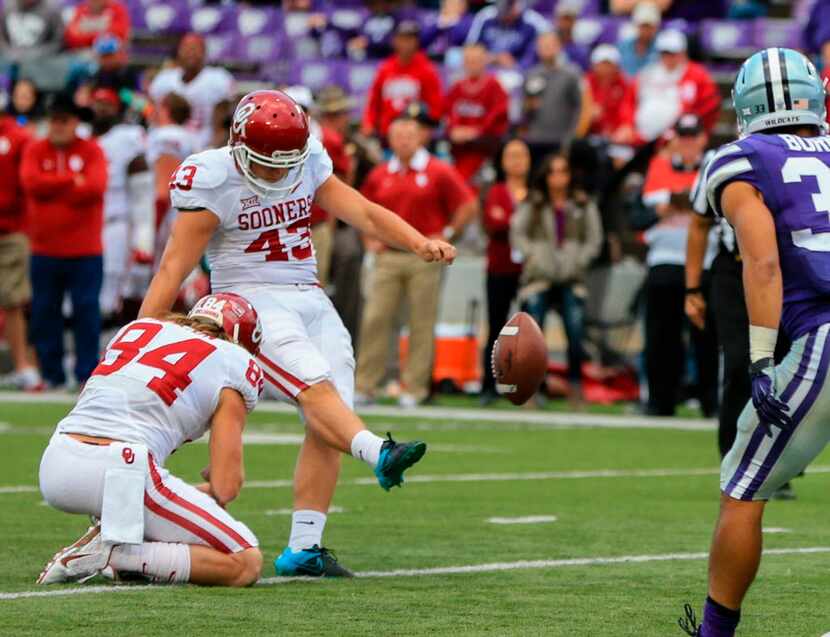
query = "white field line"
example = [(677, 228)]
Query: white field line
[(512, 416), (487, 477), (492, 567), (525, 519), (776, 529)]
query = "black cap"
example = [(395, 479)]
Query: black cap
[(688, 125), (63, 103), (408, 27), (419, 112)]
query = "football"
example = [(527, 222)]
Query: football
[(520, 359)]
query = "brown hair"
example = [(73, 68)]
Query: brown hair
[(197, 325), (539, 195), (178, 106)]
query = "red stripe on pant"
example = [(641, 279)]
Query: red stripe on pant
[(286, 375), (186, 524), (189, 506), (278, 385)]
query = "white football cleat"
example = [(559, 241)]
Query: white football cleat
[(79, 562)]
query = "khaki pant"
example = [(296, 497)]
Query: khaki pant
[(322, 236), (15, 287), (398, 276)]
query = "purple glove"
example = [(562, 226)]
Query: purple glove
[(771, 410)]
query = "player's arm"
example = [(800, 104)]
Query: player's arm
[(189, 237), (695, 253), (348, 205), (227, 472)]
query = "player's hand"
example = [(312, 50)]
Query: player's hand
[(695, 307), (205, 473), (436, 250), (771, 410)]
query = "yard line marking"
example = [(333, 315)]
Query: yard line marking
[(510, 416), (488, 477), (525, 519), (492, 567), (776, 529)]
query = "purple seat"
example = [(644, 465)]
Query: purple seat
[(770, 32), (346, 18), (167, 17), (254, 21), (360, 77), (318, 73), (220, 46), (260, 49), (213, 19), (723, 36), (599, 30)]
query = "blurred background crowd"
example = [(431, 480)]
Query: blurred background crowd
[(555, 141)]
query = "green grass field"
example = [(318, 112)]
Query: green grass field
[(603, 485)]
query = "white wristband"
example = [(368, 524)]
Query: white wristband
[(762, 342)]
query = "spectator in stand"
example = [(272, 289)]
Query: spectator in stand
[(553, 100), (64, 178), (448, 32), (509, 31), (668, 183), (608, 87), (503, 268), (565, 16), (94, 18), (373, 40), (15, 287), (638, 52), (30, 31), (202, 86), (817, 30), (407, 76), (433, 197), (668, 89), (558, 233), (113, 66), (476, 113), (334, 107), (25, 105)]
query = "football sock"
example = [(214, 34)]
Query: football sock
[(164, 562), (306, 529), (719, 621), (366, 446)]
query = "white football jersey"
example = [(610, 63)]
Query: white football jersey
[(173, 140), (121, 145), (258, 240), (158, 384), (212, 85)]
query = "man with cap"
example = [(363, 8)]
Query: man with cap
[(202, 86), (638, 52), (508, 30), (669, 88), (113, 69), (64, 178), (669, 179), (608, 87), (432, 196), (406, 76), (129, 219), (565, 16), (476, 109), (94, 18)]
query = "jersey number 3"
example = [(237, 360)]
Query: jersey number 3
[(134, 341), (794, 169)]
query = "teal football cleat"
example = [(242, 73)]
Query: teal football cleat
[(313, 562), (395, 458)]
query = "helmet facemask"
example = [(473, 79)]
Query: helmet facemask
[(293, 160)]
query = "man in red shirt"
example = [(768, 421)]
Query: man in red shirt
[(405, 77), (15, 288), (64, 179), (96, 17), (432, 196), (476, 108), (609, 87)]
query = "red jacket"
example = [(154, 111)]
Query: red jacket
[(13, 140), (498, 209), (607, 99), (335, 146), (695, 89), (480, 104), (85, 27), (396, 85), (64, 189)]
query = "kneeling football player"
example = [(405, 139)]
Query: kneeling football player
[(161, 383)]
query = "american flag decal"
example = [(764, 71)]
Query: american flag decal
[(801, 104)]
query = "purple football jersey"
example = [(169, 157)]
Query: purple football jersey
[(793, 175)]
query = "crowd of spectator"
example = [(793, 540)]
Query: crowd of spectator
[(490, 114)]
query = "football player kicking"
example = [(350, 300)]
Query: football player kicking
[(773, 186), (249, 205), (160, 384)]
